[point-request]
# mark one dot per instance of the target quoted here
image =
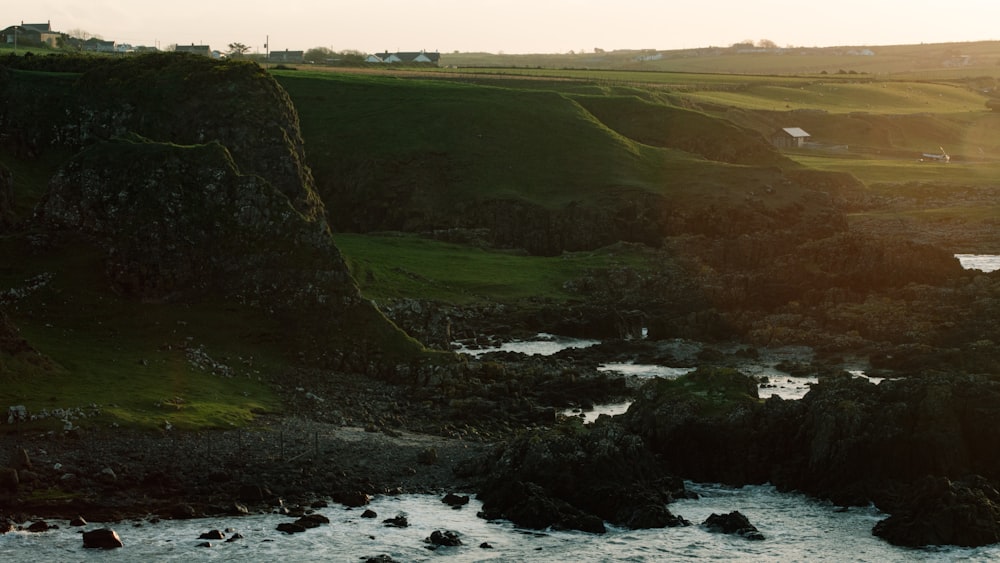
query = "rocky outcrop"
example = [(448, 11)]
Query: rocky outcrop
[(181, 222), (170, 98), (847, 440), (578, 477), (939, 511), (733, 523), (103, 538)]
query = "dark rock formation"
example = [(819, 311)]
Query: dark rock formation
[(938, 511), (212, 535), (312, 520), (848, 440), (290, 528), (577, 477), (398, 521), (352, 498), (733, 523), (451, 499), (446, 538), (104, 538), (171, 98), (180, 222)]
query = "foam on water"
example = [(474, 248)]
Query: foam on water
[(796, 528), (984, 262), (543, 344)]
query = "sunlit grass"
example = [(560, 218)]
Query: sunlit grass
[(902, 170), (399, 265), (141, 364)]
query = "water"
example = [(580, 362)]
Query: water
[(543, 344), (984, 262), (796, 528)]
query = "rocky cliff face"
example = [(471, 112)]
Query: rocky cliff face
[(182, 221), (191, 174), (848, 440), (167, 98)]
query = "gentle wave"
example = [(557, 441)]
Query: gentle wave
[(796, 528)]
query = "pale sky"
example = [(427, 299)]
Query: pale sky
[(515, 26)]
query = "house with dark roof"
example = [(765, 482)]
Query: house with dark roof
[(203, 50), (286, 56), (789, 137), (95, 45), (31, 33)]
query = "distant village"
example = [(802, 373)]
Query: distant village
[(42, 34)]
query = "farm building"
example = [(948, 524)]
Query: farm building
[(789, 137), (286, 56), (203, 50), (27, 33)]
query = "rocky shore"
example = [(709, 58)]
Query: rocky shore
[(278, 463)]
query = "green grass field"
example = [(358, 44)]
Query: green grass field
[(398, 265), (142, 364)]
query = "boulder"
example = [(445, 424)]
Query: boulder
[(732, 523), (446, 538), (39, 526), (312, 520), (212, 535), (451, 499), (103, 538), (351, 498), (290, 528), (398, 521)]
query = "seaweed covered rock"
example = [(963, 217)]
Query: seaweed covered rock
[(578, 476), (183, 221)]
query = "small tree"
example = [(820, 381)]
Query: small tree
[(237, 50), (318, 55)]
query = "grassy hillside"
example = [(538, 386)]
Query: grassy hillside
[(417, 153), (141, 364), (969, 58)]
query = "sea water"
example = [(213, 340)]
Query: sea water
[(984, 262), (795, 527)]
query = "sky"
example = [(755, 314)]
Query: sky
[(515, 26)]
